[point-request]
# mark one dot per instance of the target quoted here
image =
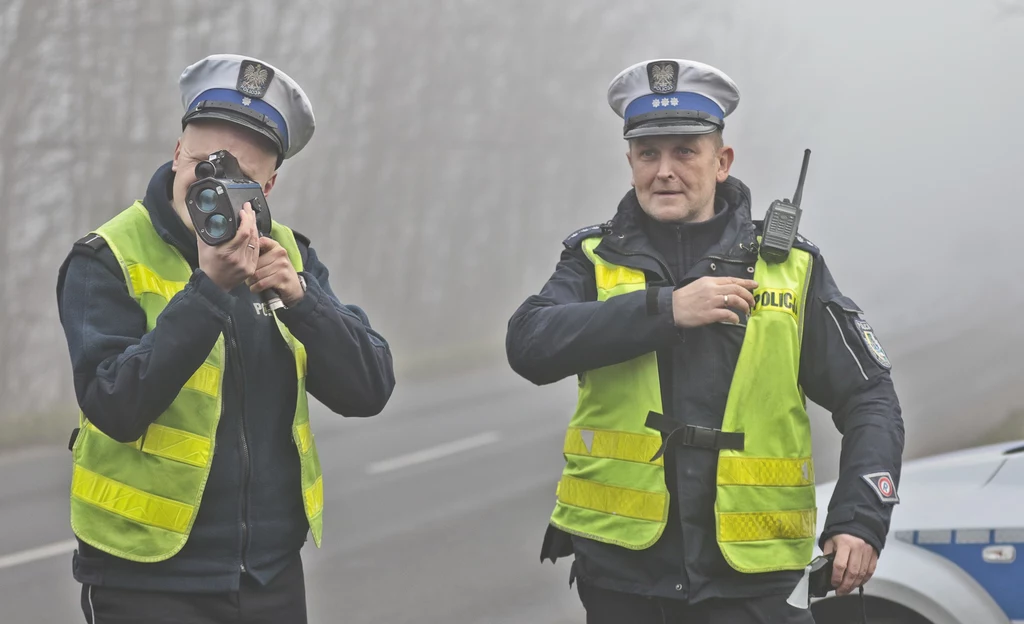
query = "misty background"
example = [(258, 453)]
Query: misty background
[(459, 141)]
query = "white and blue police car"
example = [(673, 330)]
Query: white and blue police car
[(951, 556)]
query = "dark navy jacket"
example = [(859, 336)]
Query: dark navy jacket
[(251, 518), (564, 331)]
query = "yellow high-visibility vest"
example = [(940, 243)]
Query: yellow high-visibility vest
[(138, 501), (612, 489)]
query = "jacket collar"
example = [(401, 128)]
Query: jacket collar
[(165, 220), (627, 244)]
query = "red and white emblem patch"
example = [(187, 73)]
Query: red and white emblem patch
[(881, 483)]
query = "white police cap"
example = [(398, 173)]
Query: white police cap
[(672, 96), (251, 93)]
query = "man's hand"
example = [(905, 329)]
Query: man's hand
[(231, 263), (854, 564), (708, 299), (275, 270)]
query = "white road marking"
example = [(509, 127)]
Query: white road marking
[(35, 554), (396, 463), (434, 452)]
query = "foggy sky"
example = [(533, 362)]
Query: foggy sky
[(458, 142)]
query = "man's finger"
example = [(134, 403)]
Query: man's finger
[(872, 565), (241, 234), (839, 564), (267, 244), (739, 303), (855, 568), (742, 283), (725, 315), (829, 548), (735, 302), (867, 564), (741, 293), (270, 281), (254, 233), (265, 271), (267, 277), (263, 249), (263, 261), (245, 218), (865, 570)]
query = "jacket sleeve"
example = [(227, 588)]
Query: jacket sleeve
[(124, 376), (350, 369), (845, 370), (565, 331)]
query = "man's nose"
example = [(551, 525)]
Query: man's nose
[(665, 169)]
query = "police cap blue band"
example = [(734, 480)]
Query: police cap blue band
[(680, 101), (257, 105)]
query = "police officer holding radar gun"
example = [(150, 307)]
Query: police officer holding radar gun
[(196, 326), (695, 334)]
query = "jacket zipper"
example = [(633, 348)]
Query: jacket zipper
[(679, 252), (243, 502)]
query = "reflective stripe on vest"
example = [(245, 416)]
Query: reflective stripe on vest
[(610, 490), (138, 500), (765, 507), (129, 502)]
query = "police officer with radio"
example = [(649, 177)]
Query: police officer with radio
[(196, 479), (688, 488)]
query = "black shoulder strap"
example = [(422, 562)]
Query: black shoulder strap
[(802, 242), (96, 246), (93, 241), (573, 240)]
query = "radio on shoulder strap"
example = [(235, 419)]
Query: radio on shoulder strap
[(782, 222)]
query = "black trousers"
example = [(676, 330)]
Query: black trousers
[(609, 607), (283, 600)]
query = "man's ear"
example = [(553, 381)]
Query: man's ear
[(269, 186), (177, 155), (726, 155), (629, 159)]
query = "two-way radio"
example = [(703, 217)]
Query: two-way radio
[(782, 222)]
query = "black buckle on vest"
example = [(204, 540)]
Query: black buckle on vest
[(692, 435), (702, 437)]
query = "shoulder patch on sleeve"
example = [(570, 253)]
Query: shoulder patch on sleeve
[(573, 240), (883, 487), (870, 340), (92, 241)]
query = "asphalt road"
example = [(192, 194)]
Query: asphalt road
[(436, 508)]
